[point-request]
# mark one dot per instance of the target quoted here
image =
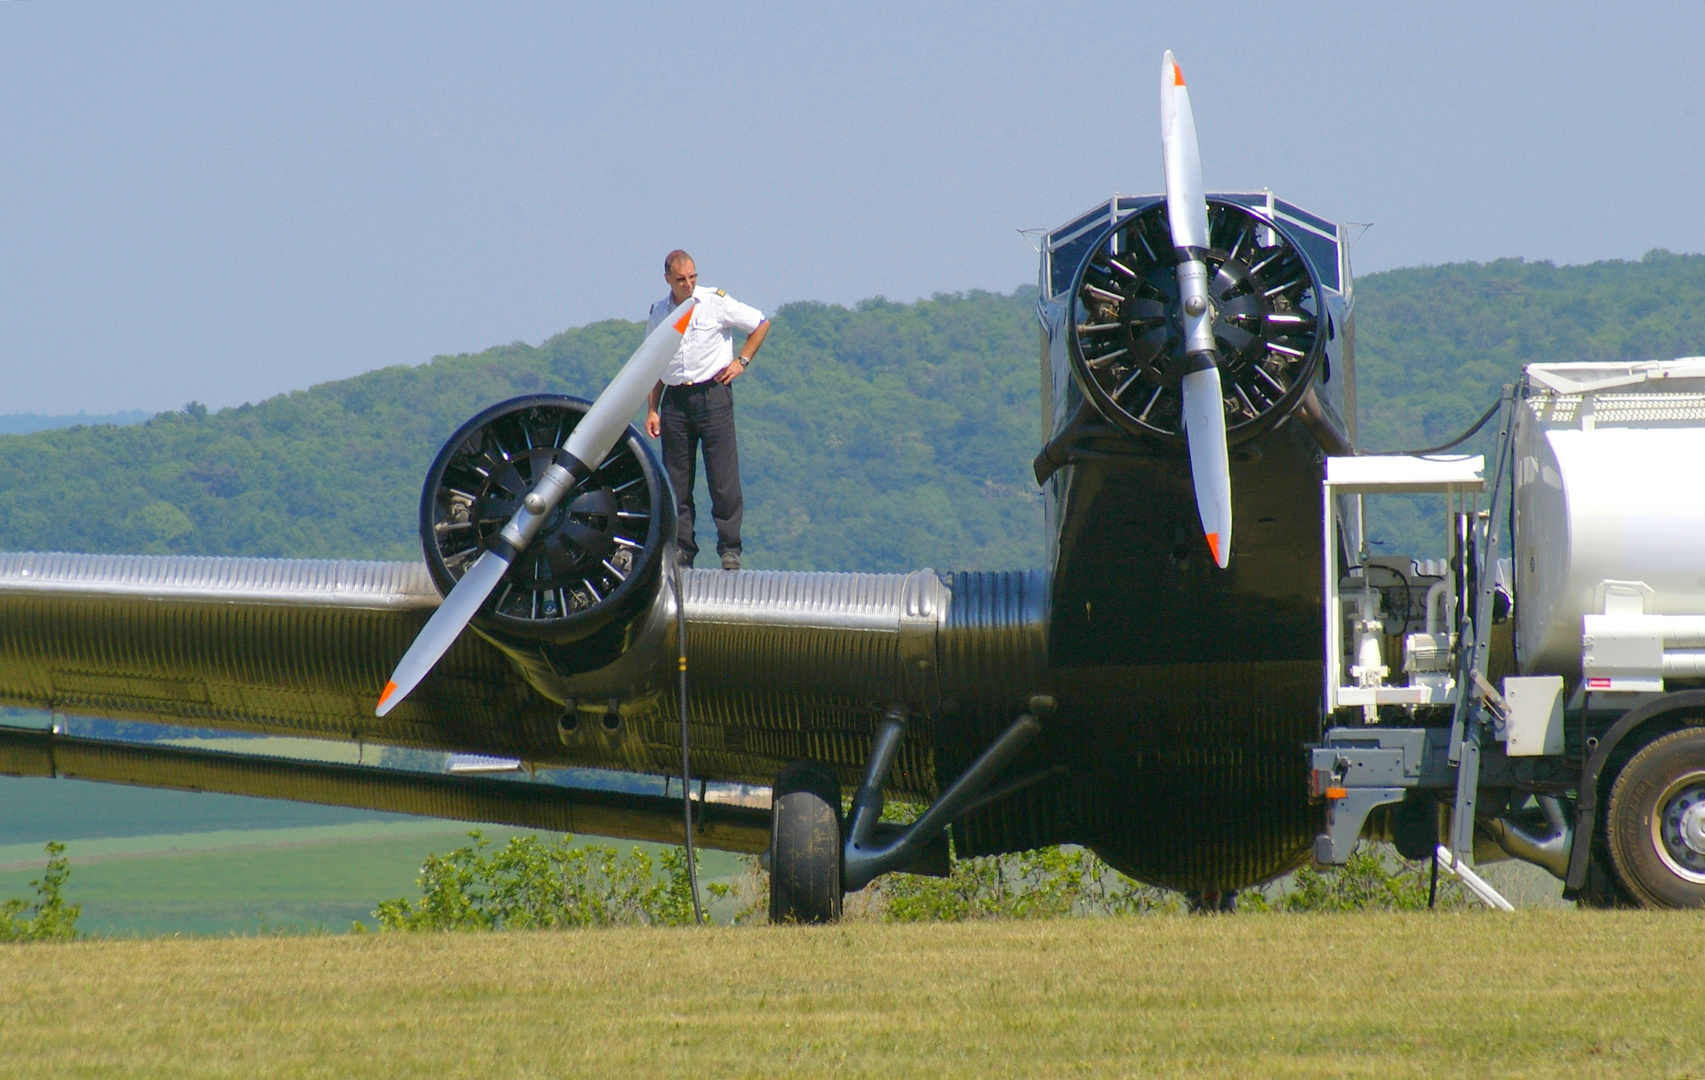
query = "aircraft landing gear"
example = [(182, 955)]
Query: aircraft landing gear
[(815, 857), (805, 845), (1212, 903)]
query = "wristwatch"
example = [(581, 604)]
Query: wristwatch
[(745, 361)]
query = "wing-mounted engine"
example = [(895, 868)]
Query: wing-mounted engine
[(1126, 336), (571, 597)]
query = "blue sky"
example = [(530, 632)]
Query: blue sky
[(226, 201)]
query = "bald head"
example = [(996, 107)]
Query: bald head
[(681, 274)]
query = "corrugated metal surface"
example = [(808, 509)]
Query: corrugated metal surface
[(784, 665), (788, 665), (801, 665), (994, 653), (994, 645), (379, 586), (284, 647), (1192, 775), (1186, 775), (876, 602)]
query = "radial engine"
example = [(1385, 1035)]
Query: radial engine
[(573, 600)]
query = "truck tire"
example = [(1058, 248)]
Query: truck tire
[(805, 845), (1603, 890), (1656, 825), (1415, 828)]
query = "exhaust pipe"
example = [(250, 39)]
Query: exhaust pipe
[(1550, 851)]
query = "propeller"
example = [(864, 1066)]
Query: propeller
[(578, 459), (1204, 403)]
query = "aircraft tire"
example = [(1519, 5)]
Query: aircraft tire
[(805, 845), (1656, 824)]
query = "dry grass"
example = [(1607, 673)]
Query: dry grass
[(1535, 994)]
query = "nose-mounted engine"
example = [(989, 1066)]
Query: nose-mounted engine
[(1126, 335), (572, 596)]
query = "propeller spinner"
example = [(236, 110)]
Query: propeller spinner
[(1204, 404), (579, 458)]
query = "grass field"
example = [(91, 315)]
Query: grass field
[(1535, 994)]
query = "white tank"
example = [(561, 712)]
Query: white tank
[(1610, 502)]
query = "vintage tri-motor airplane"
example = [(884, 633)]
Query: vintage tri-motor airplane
[(1146, 694)]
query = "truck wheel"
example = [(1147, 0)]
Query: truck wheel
[(805, 845), (1603, 890), (1415, 828), (1656, 824)]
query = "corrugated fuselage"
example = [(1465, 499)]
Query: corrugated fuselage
[(1186, 692)]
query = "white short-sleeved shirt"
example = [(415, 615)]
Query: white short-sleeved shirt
[(708, 345)]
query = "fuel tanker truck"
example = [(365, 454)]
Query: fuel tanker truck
[(1538, 692)]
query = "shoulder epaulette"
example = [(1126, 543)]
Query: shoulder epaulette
[(719, 292)]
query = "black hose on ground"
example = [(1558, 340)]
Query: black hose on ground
[(686, 770)]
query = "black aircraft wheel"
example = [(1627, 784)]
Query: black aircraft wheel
[(805, 845), (1656, 824)]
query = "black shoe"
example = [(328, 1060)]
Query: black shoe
[(731, 560)]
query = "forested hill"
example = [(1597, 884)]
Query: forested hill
[(880, 437), (1434, 344)]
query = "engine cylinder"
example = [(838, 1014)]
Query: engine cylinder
[(1126, 329), (594, 567)]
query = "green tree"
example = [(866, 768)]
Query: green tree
[(529, 884), (50, 918)]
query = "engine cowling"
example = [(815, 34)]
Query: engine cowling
[(1126, 335), (595, 567)]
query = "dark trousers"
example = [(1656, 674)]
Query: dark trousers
[(692, 415)]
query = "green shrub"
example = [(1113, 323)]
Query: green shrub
[(1374, 879), (51, 918), (1041, 884), (529, 884)]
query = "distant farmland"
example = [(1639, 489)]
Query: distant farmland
[(147, 862)]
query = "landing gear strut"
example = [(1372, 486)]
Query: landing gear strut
[(813, 857)]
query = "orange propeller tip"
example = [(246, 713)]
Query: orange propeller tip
[(385, 695), (681, 323), (1213, 546), (1177, 74)]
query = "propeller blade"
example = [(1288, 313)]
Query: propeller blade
[(579, 458), (442, 630), (1210, 465), (1186, 206), (1204, 407)]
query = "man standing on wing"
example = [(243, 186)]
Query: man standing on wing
[(695, 404)]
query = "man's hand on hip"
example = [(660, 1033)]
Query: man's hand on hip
[(731, 372)]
